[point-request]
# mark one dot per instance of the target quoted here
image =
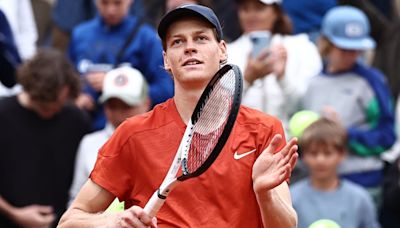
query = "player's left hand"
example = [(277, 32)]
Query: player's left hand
[(271, 169)]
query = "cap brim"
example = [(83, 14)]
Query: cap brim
[(354, 44), (128, 100)]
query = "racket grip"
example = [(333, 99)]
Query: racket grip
[(154, 204)]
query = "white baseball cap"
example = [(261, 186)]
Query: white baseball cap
[(269, 2), (266, 2), (125, 83)]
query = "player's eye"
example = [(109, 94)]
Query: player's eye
[(201, 38), (176, 42)]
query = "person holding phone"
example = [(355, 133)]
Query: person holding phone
[(276, 65)]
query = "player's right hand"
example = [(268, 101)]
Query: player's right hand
[(33, 216), (134, 217)]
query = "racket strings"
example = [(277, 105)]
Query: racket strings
[(211, 121)]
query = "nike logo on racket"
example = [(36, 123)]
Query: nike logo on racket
[(239, 156)]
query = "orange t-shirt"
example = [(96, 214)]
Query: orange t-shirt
[(134, 162)]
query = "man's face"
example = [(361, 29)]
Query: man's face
[(193, 54), (117, 111), (341, 59), (48, 109), (113, 11)]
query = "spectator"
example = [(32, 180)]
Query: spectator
[(41, 133), (20, 16), (354, 94), (96, 46), (9, 57), (306, 15), (323, 195), (386, 33), (125, 94), (275, 78), (68, 14)]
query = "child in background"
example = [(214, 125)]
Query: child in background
[(323, 195), (355, 94)]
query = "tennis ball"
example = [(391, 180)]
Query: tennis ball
[(324, 223), (116, 206), (300, 121)]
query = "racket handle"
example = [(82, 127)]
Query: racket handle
[(154, 204)]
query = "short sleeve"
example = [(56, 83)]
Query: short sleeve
[(114, 168)]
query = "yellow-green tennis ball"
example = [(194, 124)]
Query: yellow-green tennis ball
[(116, 206), (324, 223), (300, 121)]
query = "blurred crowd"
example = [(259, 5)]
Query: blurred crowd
[(72, 71)]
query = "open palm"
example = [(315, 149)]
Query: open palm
[(271, 169)]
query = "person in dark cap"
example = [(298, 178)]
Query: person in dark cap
[(255, 163)]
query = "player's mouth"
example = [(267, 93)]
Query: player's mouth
[(192, 62)]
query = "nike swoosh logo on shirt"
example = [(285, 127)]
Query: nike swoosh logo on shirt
[(239, 156)]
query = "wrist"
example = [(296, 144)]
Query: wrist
[(263, 194), (7, 209), (12, 214)]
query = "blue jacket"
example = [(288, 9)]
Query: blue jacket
[(307, 15), (382, 135), (94, 42), (67, 14)]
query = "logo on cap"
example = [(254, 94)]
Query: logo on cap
[(354, 30), (121, 80)]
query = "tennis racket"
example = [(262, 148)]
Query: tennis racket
[(206, 133)]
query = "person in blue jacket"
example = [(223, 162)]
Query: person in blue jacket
[(94, 48)]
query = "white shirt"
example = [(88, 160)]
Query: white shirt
[(86, 158), (19, 15), (279, 98)]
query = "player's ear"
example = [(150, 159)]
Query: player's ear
[(167, 66), (223, 55)]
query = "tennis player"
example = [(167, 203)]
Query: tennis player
[(245, 187)]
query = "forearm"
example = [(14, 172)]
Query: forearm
[(78, 218), (276, 212), (5, 208)]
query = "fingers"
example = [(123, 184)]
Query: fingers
[(290, 147), (293, 160), (275, 141), (143, 217), (136, 217), (273, 145), (44, 209), (263, 55), (154, 222), (48, 218)]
